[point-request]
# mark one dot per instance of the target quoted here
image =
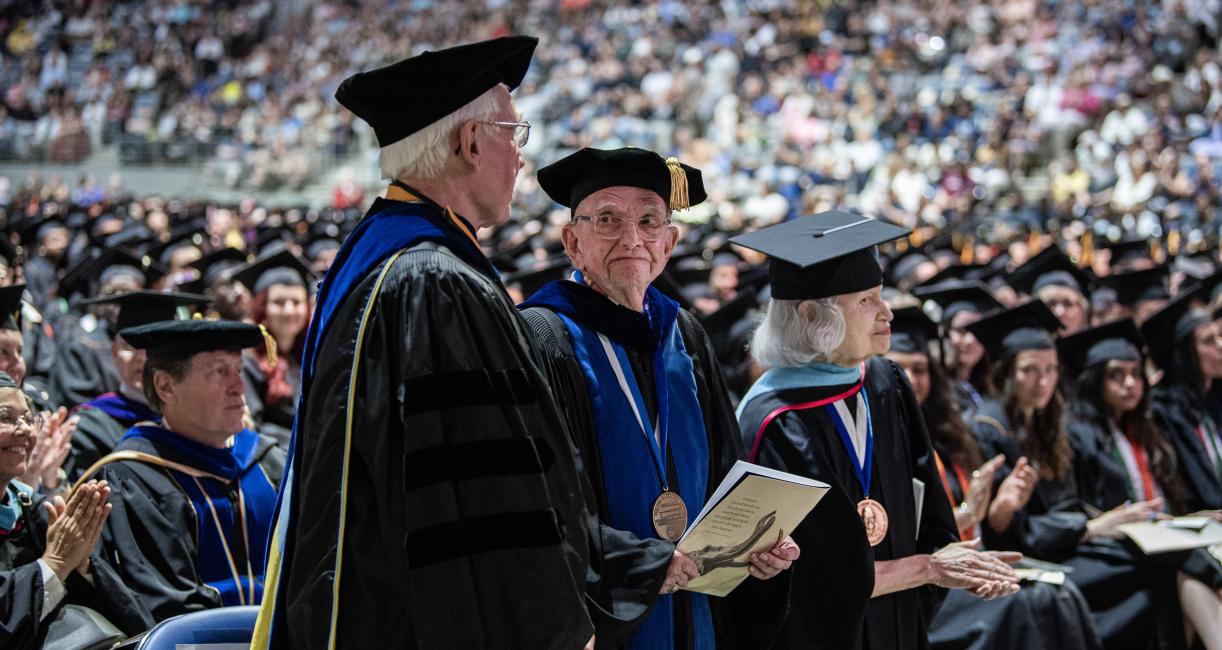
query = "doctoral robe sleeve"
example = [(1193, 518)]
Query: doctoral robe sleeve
[(489, 511), (149, 540), (20, 606), (625, 571)]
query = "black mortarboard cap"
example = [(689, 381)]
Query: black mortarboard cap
[(1135, 286), (211, 264), (1128, 250), (402, 98), (144, 307), (956, 296), (1169, 326), (8, 252), (1029, 326), (10, 307), (183, 236), (278, 268), (1119, 340), (905, 264), (828, 254), (102, 267), (187, 337), (1049, 267), (578, 175), (912, 330), (958, 272)]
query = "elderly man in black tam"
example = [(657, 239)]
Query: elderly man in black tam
[(884, 541), (641, 390)]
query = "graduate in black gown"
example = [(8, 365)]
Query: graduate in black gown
[(280, 286), (432, 498), (1186, 344), (103, 420), (963, 302), (47, 559), (1132, 596), (1121, 456), (194, 492), (667, 429), (881, 548), (1041, 614)]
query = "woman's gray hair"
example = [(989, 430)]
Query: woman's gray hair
[(797, 332), (423, 154)]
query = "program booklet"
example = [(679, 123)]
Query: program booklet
[(753, 509), (1179, 534)]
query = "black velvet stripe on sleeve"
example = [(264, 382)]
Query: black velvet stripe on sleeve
[(474, 460), (476, 535), (458, 389)]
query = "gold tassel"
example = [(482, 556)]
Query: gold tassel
[(967, 254), (1173, 245), (678, 185), (1088, 249), (270, 343)]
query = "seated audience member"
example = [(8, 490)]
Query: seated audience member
[(194, 493)]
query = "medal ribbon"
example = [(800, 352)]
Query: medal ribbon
[(862, 426), (658, 441)]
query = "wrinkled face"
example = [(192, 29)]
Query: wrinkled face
[(11, 351), (17, 433), (129, 362), (966, 349), (916, 366), (1208, 340), (287, 310), (1068, 305), (209, 401), (1036, 373), (500, 161), (627, 263), (867, 324), (1124, 383)]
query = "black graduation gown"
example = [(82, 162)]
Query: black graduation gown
[(21, 587), (625, 570), (151, 536), (38, 344), (465, 523), (1132, 596), (275, 420), (1173, 409), (83, 366), (833, 580), (1040, 616), (39, 274), (97, 432)]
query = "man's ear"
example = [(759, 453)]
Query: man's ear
[(468, 146), (164, 384)]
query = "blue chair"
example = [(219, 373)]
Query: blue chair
[(225, 625)]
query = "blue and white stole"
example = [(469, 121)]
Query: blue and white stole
[(633, 451), (233, 500)]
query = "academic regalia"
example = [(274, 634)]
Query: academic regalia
[(1132, 596), (790, 427), (83, 366), (23, 534), (275, 420), (631, 565), (189, 524), (101, 424)]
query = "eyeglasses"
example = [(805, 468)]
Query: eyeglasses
[(11, 422), (521, 130), (611, 227)]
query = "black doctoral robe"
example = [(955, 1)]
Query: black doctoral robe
[(83, 366), (834, 578), (625, 570), (463, 502), (100, 425), (275, 420), (1132, 596), (22, 625), (152, 536), (1178, 415)]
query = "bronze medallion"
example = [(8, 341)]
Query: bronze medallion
[(669, 516), (874, 516)]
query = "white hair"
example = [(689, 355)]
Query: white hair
[(423, 154), (797, 332)]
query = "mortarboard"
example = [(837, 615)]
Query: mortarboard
[(1128, 250), (144, 307), (958, 272), (187, 337), (10, 307), (911, 330), (1049, 268), (210, 266), (571, 179), (1119, 340), (957, 296), (1169, 326), (106, 266), (824, 255), (904, 264), (1132, 287), (1029, 326), (278, 268), (400, 99)]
